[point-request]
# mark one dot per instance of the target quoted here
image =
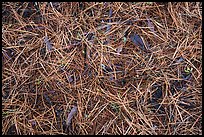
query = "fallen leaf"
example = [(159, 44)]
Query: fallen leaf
[(119, 49), (181, 59), (70, 116), (48, 44), (150, 25), (137, 41), (47, 98)]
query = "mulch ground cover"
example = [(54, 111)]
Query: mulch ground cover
[(101, 68)]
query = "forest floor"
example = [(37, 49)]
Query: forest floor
[(102, 68)]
